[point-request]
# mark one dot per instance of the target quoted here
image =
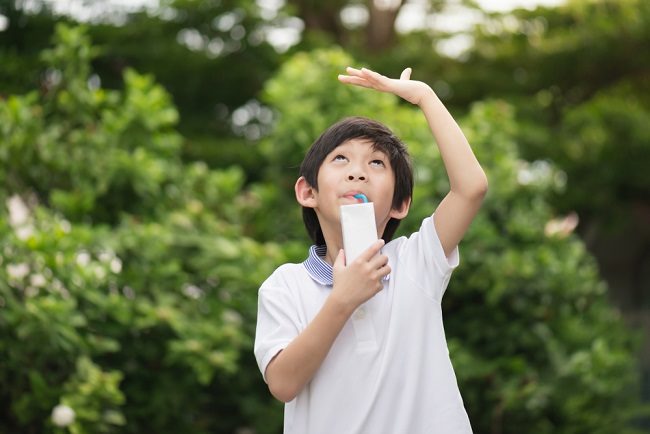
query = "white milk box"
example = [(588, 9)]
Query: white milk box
[(359, 228)]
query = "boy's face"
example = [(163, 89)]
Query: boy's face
[(351, 168)]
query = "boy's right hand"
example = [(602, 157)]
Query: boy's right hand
[(412, 91), (358, 281)]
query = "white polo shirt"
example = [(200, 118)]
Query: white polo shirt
[(388, 371)]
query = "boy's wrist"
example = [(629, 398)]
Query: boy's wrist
[(338, 306), (428, 95)]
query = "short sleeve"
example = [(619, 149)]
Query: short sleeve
[(424, 259), (277, 323)]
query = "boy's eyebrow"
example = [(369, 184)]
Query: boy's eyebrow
[(377, 150)]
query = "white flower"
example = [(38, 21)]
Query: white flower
[(18, 211), (19, 217), (193, 291), (231, 317), (65, 226), (105, 256), (534, 173), (100, 272), (83, 259), (17, 271), (62, 415), (38, 280), (31, 292), (562, 226), (24, 232), (116, 265)]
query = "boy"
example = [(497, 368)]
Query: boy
[(359, 347)]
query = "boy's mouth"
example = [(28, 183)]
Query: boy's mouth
[(356, 196)]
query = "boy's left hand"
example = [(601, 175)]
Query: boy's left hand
[(411, 90)]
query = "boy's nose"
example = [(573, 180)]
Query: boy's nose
[(360, 177)]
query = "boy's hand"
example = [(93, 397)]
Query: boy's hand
[(361, 279), (410, 90)]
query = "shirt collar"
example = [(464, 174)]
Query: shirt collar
[(318, 269)]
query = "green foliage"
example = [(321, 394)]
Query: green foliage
[(95, 395), (611, 127), (128, 278), (211, 56), (88, 152), (536, 346), (549, 63), (126, 275), (533, 336)]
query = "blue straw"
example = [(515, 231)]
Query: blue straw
[(362, 197)]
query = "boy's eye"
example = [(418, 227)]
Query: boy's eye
[(340, 158), (377, 163)]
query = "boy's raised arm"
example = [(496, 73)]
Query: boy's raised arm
[(468, 183)]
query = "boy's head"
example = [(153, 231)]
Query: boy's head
[(383, 140)]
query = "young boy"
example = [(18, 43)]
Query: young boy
[(359, 347)]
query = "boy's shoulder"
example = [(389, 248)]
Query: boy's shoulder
[(423, 247), (396, 245), (287, 274)]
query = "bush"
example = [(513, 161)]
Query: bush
[(127, 282), (128, 279)]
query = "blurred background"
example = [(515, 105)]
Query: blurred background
[(148, 151)]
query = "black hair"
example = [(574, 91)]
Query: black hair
[(383, 140)]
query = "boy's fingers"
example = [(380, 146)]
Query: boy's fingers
[(370, 72), (381, 271), (353, 71), (368, 78), (378, 261), (354, 80), (406, 74), (384, 271), (371, 75), (372, 250)]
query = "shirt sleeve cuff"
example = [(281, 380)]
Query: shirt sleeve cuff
[(446, 264), (268, 356)]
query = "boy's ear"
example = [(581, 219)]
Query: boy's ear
[(402, 211), (305, 193)]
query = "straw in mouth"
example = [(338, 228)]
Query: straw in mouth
[(362, 197)]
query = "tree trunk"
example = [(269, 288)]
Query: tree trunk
[(325, 17), (322, 16), (380, 31)]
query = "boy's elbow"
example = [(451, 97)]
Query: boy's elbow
[(478, 189), (482, 187), (282, 391), (280, 386)]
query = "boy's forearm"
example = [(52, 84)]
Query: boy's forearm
[(296, 365), (466, 177)]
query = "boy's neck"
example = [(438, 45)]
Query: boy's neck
[(334, 243)]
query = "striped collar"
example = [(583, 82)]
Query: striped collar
[(318, 269)]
